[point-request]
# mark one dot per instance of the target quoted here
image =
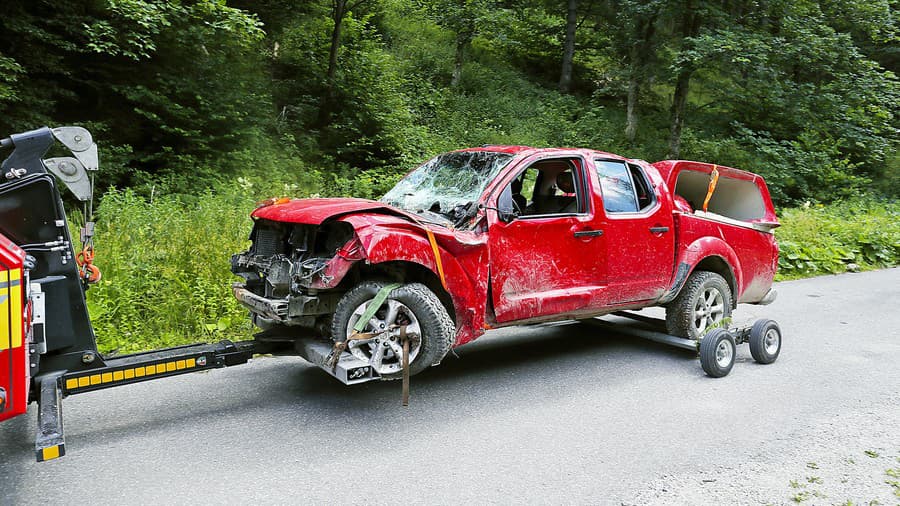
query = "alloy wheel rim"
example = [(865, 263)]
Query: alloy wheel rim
[(384, 352), (709, 309)]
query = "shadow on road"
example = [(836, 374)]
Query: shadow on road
[(506, 369)]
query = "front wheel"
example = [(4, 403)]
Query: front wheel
[(412, 306), (717, 353)]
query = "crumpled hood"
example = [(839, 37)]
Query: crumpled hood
[(315, 211)]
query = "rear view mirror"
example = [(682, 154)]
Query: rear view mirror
[(506, 209)]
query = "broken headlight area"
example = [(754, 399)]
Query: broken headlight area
[(287, 265)]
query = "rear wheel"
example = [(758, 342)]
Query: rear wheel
[(412, 306), (765, 341), (704, 301)]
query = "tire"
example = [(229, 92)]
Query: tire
[(684, 314), (765, 341), (717, 353), (436, 328)]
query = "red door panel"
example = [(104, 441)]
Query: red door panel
[(540, 267)]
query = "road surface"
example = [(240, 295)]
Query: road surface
[(547, 414)]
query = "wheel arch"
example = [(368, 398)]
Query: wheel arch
[(405, 271), (718, 265), (707, 254)]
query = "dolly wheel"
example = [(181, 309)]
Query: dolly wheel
[(717, 352), (765, 341)]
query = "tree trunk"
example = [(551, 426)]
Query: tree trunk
[(565, 78), (461, 43), (679, 100), (338, 11), (337, 16), (631, 118), (639, 56), (690, 29)]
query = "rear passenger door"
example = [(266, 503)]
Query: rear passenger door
[(639, 233)]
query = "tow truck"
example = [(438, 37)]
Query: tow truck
[(48, 348)]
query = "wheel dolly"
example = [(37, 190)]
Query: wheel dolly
[(718, 346)]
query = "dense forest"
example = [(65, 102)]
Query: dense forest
[(341, 96)]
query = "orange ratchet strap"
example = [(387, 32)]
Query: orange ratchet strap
[(437, 256), (713, 179)]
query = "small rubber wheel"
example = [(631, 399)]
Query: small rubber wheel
[(765, 341), (413, 306), (717, 352)]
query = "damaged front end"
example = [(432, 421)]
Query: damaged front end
[(291, 271)]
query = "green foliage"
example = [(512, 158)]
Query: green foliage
[(166, 263), (184, 94), (166, 270), (818, 239)]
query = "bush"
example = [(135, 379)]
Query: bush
[(165, 261), (816, 239)]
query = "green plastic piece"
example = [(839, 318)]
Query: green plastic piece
[(373, 306)]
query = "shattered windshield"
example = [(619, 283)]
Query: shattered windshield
[(447, 181)]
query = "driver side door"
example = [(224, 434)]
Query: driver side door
[(549, 260)]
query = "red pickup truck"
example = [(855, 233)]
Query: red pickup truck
[(508, 235)]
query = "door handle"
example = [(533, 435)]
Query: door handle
[(659, 230), (589, 233)]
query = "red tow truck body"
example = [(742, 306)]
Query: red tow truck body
[(15, 374)]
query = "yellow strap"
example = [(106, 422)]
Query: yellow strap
[(713, 179), (437, 256)]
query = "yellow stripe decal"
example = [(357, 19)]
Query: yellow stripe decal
[(11, 309), (128, 374)]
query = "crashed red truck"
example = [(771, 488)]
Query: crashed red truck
[(506, 235)]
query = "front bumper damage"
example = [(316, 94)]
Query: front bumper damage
[(292, 310)]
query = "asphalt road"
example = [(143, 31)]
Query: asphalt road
[(553, 414)]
